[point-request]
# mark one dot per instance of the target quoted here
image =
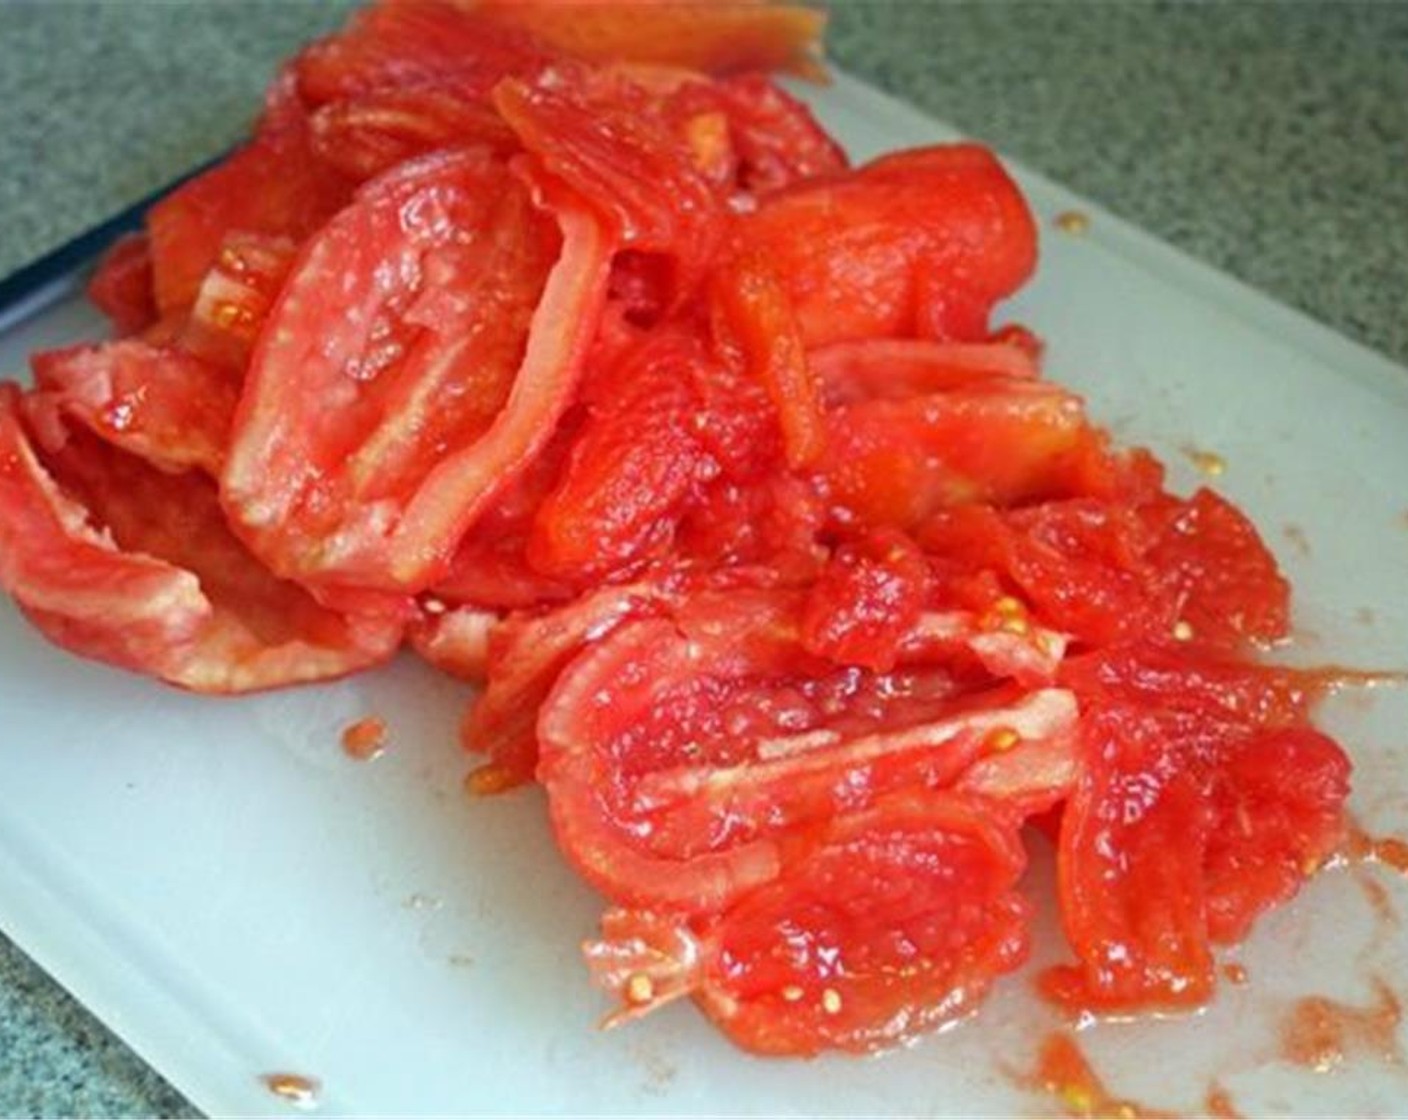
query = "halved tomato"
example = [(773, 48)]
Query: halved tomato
[(418, 358), (116, 560)]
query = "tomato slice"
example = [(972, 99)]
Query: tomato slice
[(377, 427), (159, 402), (867, 599), (1221, 571), (774, 138), (121, 286), (116, 560), (998, 440), (414, 44), (608, 139), (714, 38), (632, 468), (884, 924), (899, 368), (1279, 804), (753, 313), (368, 135), (677, 753), (525, 656), (919, 244), (1130, 873), (273, 186)]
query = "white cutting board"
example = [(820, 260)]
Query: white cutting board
[(233, 895)]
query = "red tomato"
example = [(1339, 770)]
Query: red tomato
[(866, 600), (1130, 871), (607, 139), (917, 244), (679, 755), (419, 357), (160, 403), (526, 653), (121, 286), (454, 640), (715, 38), (1225, 577), (234, 298), (885, 923), (996, 440), (370, 134), (273, 186), (408, 44), (1279, 815), (632, 468), (753, 314), (119, 561), (896, 369)]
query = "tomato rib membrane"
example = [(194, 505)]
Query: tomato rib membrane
[(117, 560)]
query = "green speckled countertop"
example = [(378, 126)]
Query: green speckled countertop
[(1271, 140)]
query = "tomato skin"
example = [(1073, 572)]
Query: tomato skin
[(162, 588), (408, 417), (121, 286), (875, 253)]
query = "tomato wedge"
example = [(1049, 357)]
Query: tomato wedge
[(887, 923), (376, 427), (116, 560)]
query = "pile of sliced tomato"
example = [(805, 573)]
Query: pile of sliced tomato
[(559, 342)]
